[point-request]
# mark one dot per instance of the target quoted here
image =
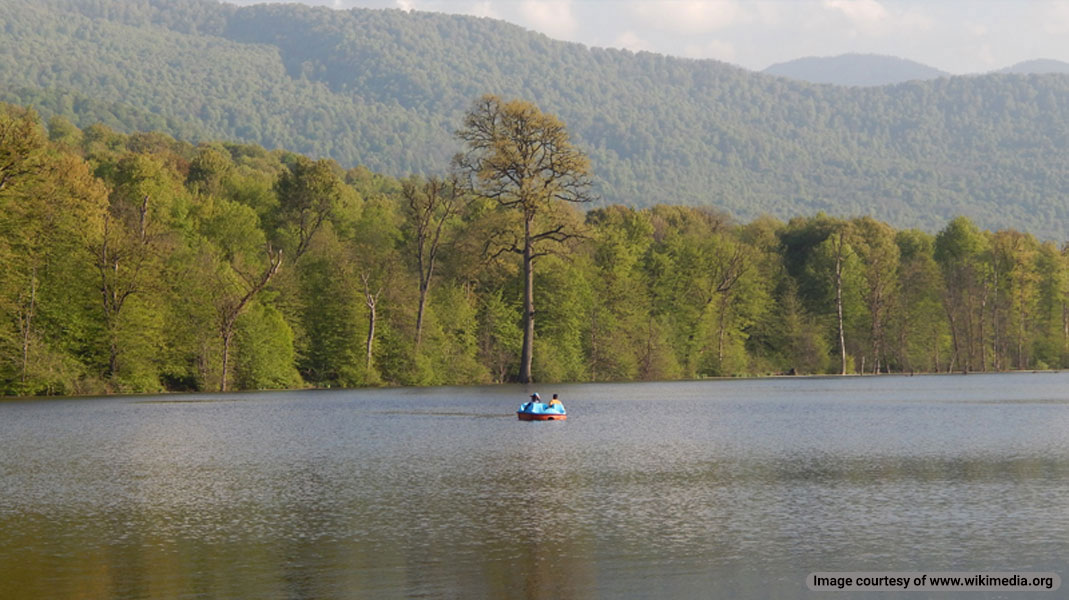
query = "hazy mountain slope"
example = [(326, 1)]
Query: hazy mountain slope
[(1038, 67), (855, 69), (387, 88)]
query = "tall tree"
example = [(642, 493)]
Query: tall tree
[(232, 304), (875, 245), (839, 237), (242, 271), (522, 158), (49, 206), (128, 250), (428, 206), (1053, 317), (375, 261), (1017, 285), (919, 321), (959, 250)]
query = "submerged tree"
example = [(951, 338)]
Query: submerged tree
[(521, 158)]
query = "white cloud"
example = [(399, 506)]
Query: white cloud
[(552, 17), (483, 9), (405, 5), (859, 12), (717, 49), (688, 16), (631, 41), (870, 17)]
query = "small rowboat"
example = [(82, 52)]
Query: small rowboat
[(537, 411)]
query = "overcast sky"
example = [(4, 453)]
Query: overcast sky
[(959, 36)]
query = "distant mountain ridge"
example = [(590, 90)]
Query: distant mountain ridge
[(855, 70), (387, 88), (1038, 66), (876, 70)]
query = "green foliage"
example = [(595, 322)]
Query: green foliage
[(136, 263), (561, 327), (499, 336), (918, 321), (330, 351), (50, 208), (264, 350), (451, 346), (140, 326)]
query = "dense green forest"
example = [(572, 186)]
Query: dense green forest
[(141, 263), (386, 89)]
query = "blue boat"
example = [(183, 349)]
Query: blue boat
[(536, 410)]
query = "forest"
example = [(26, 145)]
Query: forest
[(140, 263), (386, 88)]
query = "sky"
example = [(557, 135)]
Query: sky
[(957, 36)]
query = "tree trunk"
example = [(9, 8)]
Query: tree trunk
[(26, 324), (1065, 326), (1020, 331), (995, 325), (955, 357), (232, 310), (983, 350), (526, 354), (113, 357), (721, 328), (877, 334), (370, 333), (966, 357), (228, 334), (839, 300), (424, 285), (594, 357), (372, 301)]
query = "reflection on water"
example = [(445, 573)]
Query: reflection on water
[(706, 489)]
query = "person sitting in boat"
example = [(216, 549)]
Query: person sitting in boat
[(535, 399), (554, 400)]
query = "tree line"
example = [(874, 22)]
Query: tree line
[(138, 263)]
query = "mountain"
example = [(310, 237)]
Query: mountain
[(855, 69), (387, 88), (1038, 67)]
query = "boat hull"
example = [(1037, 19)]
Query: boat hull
[(526, 416)]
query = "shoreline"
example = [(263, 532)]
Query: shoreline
[(217, 395)]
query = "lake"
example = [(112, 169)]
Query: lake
[(711, 489)]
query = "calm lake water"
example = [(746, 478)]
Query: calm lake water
[(717, 489)]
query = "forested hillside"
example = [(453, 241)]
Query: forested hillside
[(141, 263), (1039, 66), (386, 89)]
